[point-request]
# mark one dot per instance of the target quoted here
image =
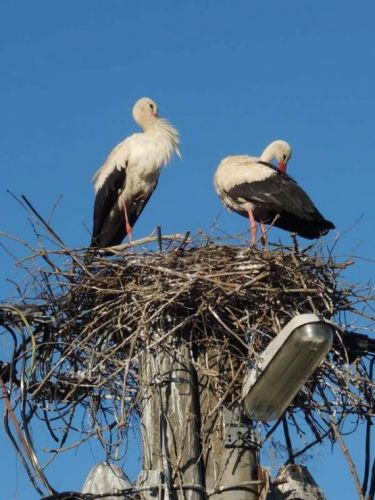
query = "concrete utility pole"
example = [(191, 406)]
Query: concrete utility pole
[(231, 455), (189, 453), (170, 425)]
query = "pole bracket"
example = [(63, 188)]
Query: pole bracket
[(239, 431)]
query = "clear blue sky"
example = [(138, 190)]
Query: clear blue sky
[(231, 75)]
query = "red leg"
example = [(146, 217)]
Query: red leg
[(253, 227), (264, 234), (127, 225)]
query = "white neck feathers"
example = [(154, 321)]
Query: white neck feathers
[(269, 153), (168, 135)]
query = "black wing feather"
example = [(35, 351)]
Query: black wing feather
[(277, 192), (113, 230), (106, 202), (279, 195)]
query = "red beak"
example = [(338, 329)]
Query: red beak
[(282, 167)]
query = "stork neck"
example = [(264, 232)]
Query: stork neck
[(268, 154), (149, 123)]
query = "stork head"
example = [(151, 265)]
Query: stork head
[(145, 112), (280, 151)]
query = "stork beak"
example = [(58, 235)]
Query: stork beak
[(282, 167)]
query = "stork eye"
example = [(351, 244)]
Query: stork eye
[(284, 157), (151, 106)]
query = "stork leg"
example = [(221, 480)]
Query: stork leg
[(128, 227), (253, 227), (263, 238)]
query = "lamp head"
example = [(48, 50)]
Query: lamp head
[(285, 366)]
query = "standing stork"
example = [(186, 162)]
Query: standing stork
[(128, 177), (255, 188)]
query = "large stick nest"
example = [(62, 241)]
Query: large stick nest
[(93, 315)]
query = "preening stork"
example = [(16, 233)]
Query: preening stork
[(129, 176), (255, 188)]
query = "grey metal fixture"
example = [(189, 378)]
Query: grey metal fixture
[(285, 365)]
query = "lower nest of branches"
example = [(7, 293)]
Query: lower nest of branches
[(98, 314)]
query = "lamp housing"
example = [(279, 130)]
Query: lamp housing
[(285, 366)]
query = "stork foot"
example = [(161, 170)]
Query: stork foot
[(128, 227), (129, 231), (263, 238), (253, 240), (253, 228)]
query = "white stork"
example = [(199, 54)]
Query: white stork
[(255, 188), (128, 177)]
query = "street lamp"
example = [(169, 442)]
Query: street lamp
[(285, 365)]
